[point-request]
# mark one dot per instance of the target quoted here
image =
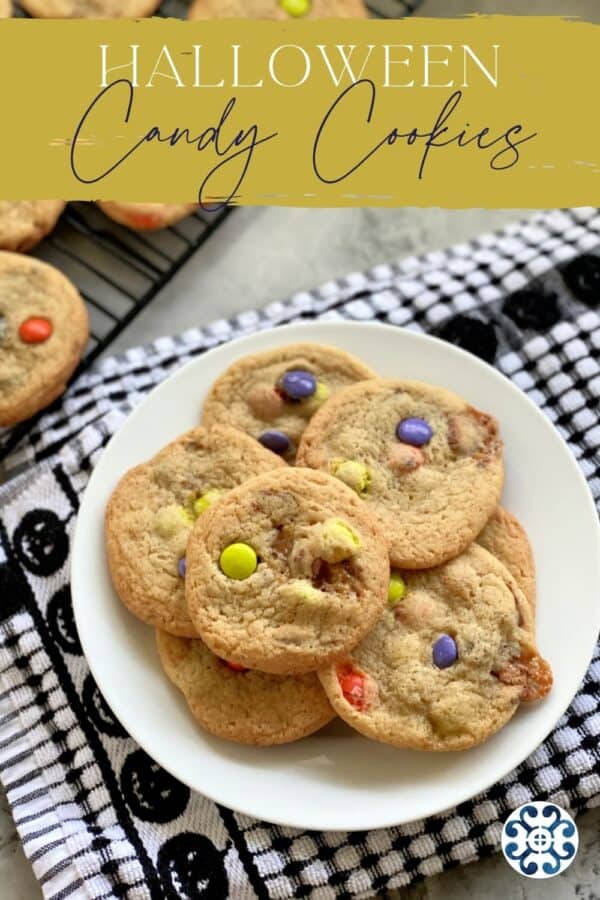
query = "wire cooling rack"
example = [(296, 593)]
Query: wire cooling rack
[(119, 272)]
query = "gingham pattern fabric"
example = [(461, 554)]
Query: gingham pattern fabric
[(97, 817)]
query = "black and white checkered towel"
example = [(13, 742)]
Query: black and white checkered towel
[(97, 817)]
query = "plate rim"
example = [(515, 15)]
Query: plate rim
[(290, 329)]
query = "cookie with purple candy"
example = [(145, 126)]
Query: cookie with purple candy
[(428, 465), (273, 395), (448, 663), (152, 511)]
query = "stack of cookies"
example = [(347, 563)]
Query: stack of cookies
[(328, 541)]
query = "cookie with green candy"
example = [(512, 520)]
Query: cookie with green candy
[(286, 573), (273, 395), (281, 10), (153, 509), (241, 705), (448, 663), (427, 464)]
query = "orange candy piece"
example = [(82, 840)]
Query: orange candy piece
[(146, 221), (35, 330), (235, 667), (352, 685)]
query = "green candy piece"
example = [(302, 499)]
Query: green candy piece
[(339, 541), (296, 8), (354, 474), (238, 561), (396, 589), (204, 501)]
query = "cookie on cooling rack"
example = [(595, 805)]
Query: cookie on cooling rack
[(24, 223), (90, 9), (146, 216), (43, 332), (277, 9)]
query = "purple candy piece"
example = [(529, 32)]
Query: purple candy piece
[(298, 384), (182, 567), (445, 652), (415, 432), (276, 441)]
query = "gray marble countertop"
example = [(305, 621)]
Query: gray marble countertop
[(261, 255)]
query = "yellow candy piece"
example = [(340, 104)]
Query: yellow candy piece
[(172, 519), (238, 561), (338, 541), (396, 589), (312, 404), (204, 501), (296, 8), (303, 591), (352, 473)]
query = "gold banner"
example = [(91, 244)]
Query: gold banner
[(484, 111)]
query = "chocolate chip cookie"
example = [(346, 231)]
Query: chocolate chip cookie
[(277, 9), (146, 216), (24, 223), (273, 395), (427, 464), (43, 332), (241, 705), (153, 508), (287, 573), (90, 9), (448, 663)]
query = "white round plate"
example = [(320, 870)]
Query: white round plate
[(338, 780)]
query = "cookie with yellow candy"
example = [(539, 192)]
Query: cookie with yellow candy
[(279, 10), (427, 464), (286, 573), (273, 395), (448, 663), (153, 509), (239, 704)]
